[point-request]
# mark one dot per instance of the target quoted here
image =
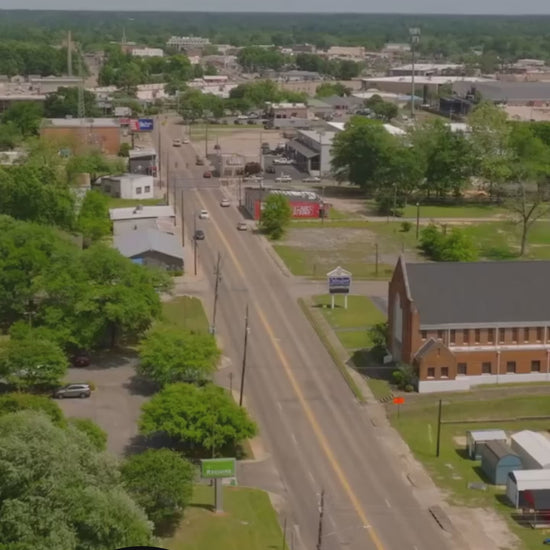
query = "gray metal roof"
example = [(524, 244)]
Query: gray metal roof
[(507, 91), (487, 435), (452, 293), (303, 149), (133, 243), (498, 449)]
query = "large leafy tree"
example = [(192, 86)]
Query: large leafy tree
[(64, 102), (276, 215), (93, 219), (26, 116), (161, 482), (170, 355), (101, 297), (36, 194), (32, 362), (204, 419), (57, 491), (17, 401)]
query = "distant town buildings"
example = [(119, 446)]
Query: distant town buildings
[(147, 52), (185, 42)]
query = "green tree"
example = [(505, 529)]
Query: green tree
[(64, 103), (168, 355), (276, 215), (93, 219), (456, 246), (204, 419), (94, 163), (161, 482), (96, 436), (26, 116), (35, 194), (32, 362), (385, 110), (57, 491), (328, 89), (14, 402)]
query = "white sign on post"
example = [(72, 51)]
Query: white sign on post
[(339, 282)]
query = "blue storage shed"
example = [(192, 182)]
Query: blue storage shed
[(498, 460)]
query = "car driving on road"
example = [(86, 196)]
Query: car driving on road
[(204, 215), (225, 202), (176, 143), (284, 178), (242, 226), (199, 235), (73, 390), (311, 179)]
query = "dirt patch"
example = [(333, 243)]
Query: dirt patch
[(460, 440)]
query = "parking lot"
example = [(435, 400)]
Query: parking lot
[(115, 404)]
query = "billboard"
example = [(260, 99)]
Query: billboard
[(218, 467), (300, 209), (145, 124), (134, 125)]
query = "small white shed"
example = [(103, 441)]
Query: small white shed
[(476, 438), (533, 449)]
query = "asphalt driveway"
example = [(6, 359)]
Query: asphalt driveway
[(115, 404)]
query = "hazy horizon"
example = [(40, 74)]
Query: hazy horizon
[(391, 7)]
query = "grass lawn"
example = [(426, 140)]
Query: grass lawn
[(452, 211), (452, 471), (353, 339), (185, 312), (380, 388), (361, 311), (316, 263), (124, 203), (249, 522)]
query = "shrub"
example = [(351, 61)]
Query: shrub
[(405, 377), (406, 227), (95, 434)]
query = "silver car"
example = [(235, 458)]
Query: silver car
[(74, 390)]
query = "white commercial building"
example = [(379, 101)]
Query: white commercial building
[(129, 186), (147, 52), (143, 217), (182, 42)]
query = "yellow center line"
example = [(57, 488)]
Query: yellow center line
[(303, 402)]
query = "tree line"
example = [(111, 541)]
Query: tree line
[(433, 162)]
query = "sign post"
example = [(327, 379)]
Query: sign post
[(398, 401), (217, 469), (339, 282)]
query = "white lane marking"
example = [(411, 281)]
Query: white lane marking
[(294, 439), (280, 405), (311, 477), (387, 503)]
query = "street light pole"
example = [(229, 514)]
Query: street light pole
[(243, 370), (414, 34), (216, 287)]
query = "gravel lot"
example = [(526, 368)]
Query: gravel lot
[(116, 402)]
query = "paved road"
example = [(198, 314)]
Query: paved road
[(318, 436)]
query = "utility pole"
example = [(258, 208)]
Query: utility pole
[(182, 218), (69, 54), (243, 370), (376, 259), (438, 428), (414, 34), (195, 241), (320, 528), (206, 141), (216, 288), (417, 219)]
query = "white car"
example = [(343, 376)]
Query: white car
[(282, 160), (242, 226), (312, 179), (176, 143), (284, 178), (254, 178), (185, 140), (225, 202), (203, 215)]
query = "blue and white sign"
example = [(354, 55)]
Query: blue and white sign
[(145, 124), (339, 281)]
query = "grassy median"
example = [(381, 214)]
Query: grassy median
[(185, 312), (249, 522)]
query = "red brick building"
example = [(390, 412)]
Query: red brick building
[(464, 324)]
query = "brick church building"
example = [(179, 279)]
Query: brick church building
[(471, 323)]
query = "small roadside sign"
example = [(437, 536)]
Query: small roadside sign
[(218, 468), (398, 400)]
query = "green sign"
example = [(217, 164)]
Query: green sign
[(218, 467)]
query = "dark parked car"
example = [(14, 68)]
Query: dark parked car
[(74, 390), (80, 359), (199, 235)]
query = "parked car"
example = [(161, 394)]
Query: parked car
[(81, 359), (270, 169), (282, 160), (250, 121), (242, 226), (284, 178), (203, 215), (255, 178), (236, 121), (207, 174), (199, 235), (199, 161), (225, 202), (311, 179), (73, 390), (176, 143)]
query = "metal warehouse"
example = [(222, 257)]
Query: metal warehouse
[(533, 449), (529, 489)]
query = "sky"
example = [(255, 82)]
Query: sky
[(316, 6)]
